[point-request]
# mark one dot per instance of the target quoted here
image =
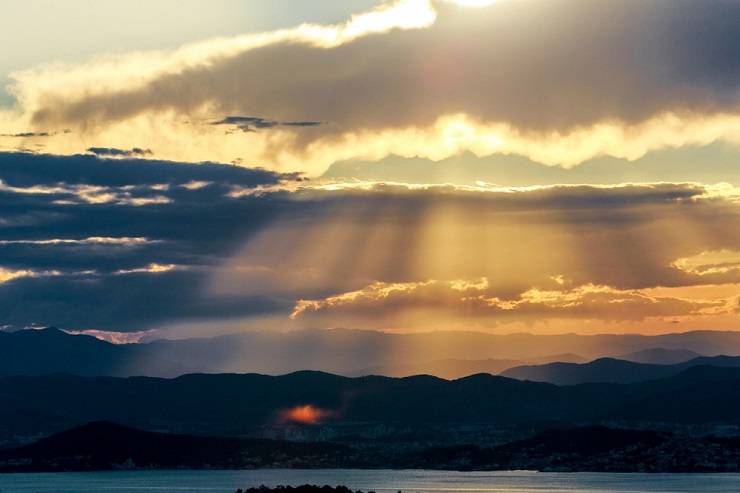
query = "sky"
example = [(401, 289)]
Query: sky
[(185, 168)]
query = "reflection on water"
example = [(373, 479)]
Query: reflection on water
[(380, 481)]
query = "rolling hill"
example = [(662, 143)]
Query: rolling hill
[(105, 445), (231, 404), (609, 370), (656, 356)]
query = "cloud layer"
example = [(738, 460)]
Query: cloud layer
[(559, 81), (459, 302), (87, 242)]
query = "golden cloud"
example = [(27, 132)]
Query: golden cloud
[(413, 78), (472, 299), (710, 262), (8, 275)]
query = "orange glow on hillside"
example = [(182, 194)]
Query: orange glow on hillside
[(307, 414)]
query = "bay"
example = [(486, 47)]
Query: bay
[(381, 481)]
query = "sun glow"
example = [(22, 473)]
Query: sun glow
[(473, 3)]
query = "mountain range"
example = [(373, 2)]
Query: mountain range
[(611, 370), (246, 405), (341, 351), (656, 356)]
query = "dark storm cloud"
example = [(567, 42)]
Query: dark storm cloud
[(254, 123), (120, 303), (113, 152), (87, 263), (24, 169), (37, 188), (128, 244), (22, 135)]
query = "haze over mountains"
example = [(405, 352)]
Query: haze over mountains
[(657, 356), (341, 351), (52, 381)]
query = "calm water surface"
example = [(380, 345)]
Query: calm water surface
[(380, 481)]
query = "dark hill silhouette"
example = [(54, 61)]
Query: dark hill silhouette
[(585, 441), (609, 370), (593, 449), (39, 352), (231, 404), (701, 394), (657, 356), (452, 369), (105, 445)]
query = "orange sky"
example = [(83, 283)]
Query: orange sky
[(223, 181)]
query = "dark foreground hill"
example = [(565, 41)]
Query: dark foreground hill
[(39, 352), (231, 404), (594, 449), (609, 370), (106, 446)]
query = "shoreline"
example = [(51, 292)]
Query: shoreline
[(496, 472)]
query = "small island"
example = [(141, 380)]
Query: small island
[(305, 488)]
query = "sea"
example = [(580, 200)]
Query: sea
[(380, 481)]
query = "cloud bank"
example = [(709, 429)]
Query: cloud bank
[(87, 241), (558, 81), (415, 305)]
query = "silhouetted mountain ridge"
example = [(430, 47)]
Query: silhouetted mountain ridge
[(44, 351), (340, 351), (234, 404), (656, 356), (610, 370)]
